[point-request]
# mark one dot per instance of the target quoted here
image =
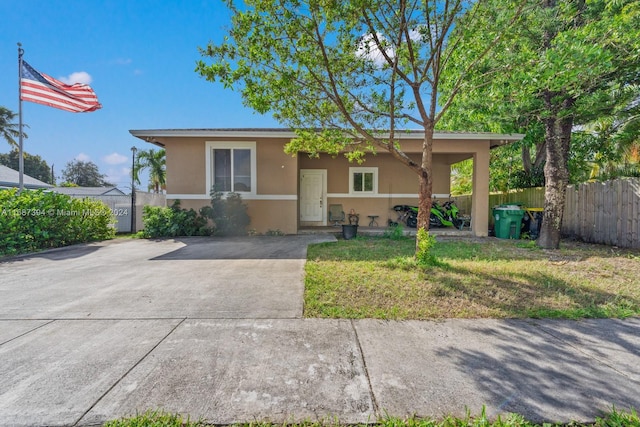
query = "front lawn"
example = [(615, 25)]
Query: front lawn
[(476, 278)]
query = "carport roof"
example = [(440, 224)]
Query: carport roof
[(152, 135)]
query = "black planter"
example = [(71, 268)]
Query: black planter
[(349, 231)]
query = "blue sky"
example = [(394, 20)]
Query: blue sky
[(140, 58)]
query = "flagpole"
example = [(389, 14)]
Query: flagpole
[(20, 155)]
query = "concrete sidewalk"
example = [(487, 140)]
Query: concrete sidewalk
[(84, 372), (84, 340)]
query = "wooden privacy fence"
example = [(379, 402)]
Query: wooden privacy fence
[(604, 212), (598, 212), (529, 197)]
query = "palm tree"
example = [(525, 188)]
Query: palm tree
[(620, 137), (8, 129), (155, 162)]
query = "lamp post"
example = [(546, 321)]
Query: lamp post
[(133, 189)]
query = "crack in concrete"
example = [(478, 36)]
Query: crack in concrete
[(129, 371)]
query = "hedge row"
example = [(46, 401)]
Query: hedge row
[(36, 220)]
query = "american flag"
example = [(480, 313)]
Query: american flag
[(43, 89)]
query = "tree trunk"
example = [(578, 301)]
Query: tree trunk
[(530, 165), (556, 173), (526, 159), (541, 150), (424, 199), (425, 181)]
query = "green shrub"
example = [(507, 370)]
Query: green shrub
[(229, 214), (173, 221), (424, 255), (157, 221), (394, 232), (36, 220)]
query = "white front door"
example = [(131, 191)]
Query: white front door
[(312, 195)]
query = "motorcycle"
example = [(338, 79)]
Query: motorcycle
[(445, 215), (407, 214)]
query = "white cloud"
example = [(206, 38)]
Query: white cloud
[(419, 34), (83, 157), (121, 177), (368, 49), (77, 77), (115, 159), (125, 62)]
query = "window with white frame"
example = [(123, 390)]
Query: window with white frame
[(363, 180), (231, 167)]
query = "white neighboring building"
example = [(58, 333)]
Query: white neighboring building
[(10, 178), (89, 191)]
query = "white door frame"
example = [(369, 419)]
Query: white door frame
[(323, 208)]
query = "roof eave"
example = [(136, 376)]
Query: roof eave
[(152, 135), (28, 186)]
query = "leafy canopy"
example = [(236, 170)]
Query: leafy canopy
[(84, 174), (34, 165), (346, 75), (564, 64), (583, 55)]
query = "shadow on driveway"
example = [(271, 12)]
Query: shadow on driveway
[(254, 247), (57, 254)]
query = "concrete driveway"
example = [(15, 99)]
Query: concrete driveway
[(198, 277)]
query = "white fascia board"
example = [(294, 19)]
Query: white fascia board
[(288, 134), (212, 133)]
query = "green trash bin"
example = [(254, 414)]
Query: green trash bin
[(508, 221)]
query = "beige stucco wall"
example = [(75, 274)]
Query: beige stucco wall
[(395, 182), (274, 215), (480, 195), (273, 207), (265, 214), (277, 171), (393, 176), (185, 166)]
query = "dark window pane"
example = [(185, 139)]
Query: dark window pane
[(368, 181), (241, 170), (357, 181), (222, 169)]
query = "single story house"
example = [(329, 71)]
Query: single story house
[(10, 178), (287, 193)]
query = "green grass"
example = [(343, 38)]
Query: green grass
[(154, 419), (490, 278), (126, 236), (162, 419)]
